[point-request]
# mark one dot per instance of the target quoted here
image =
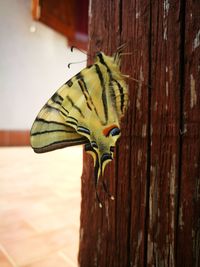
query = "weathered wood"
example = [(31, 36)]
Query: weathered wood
[(98, 236), (155, 218), (165, 132), (133, 147), (112, 225), (188, 253)]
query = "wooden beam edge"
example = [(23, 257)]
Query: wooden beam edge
[(14, 137)]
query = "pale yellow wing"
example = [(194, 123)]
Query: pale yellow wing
[(85, 110)]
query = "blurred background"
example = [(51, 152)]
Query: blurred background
[(39, 194), (34, 56)]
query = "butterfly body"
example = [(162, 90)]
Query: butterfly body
[(87, 109)]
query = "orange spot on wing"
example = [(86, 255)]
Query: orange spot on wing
[(108, 129)]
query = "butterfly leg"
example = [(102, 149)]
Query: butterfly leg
[(107, 191), (98, 199), (95, 182)]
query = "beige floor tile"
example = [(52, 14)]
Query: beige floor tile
[(55, 220), (70, 252), (4, 262), (32, 249), (16, 231), (39, 207), (53, 261)]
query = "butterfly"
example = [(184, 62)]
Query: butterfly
[(87, 110)]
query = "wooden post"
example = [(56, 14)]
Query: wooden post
[(155, 177)]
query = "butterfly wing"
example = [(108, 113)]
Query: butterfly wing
[(65, 119), (85, 110), (50, 130)]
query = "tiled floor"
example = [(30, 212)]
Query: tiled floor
[(39, 207)]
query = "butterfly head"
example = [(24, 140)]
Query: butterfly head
[(111, 61), (108, 61)]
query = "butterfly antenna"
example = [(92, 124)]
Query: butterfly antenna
[(82, 51), (77, 62), (74, 47)]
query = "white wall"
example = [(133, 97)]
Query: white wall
[(33, 65)]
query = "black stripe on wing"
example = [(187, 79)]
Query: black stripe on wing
[(57, 98), (71, 122), (104, 97), (85, 91), (69, 83), (120, 88), (52, 131), (48, 122), (84, 130), (75, 106), (50, 107), (121, 93), (70, 117), (60, 144), (42, 126), (81, 84)]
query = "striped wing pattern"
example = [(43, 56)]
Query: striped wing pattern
[(86, 110)]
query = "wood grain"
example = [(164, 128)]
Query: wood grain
[(188, 250), (154, 220)]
